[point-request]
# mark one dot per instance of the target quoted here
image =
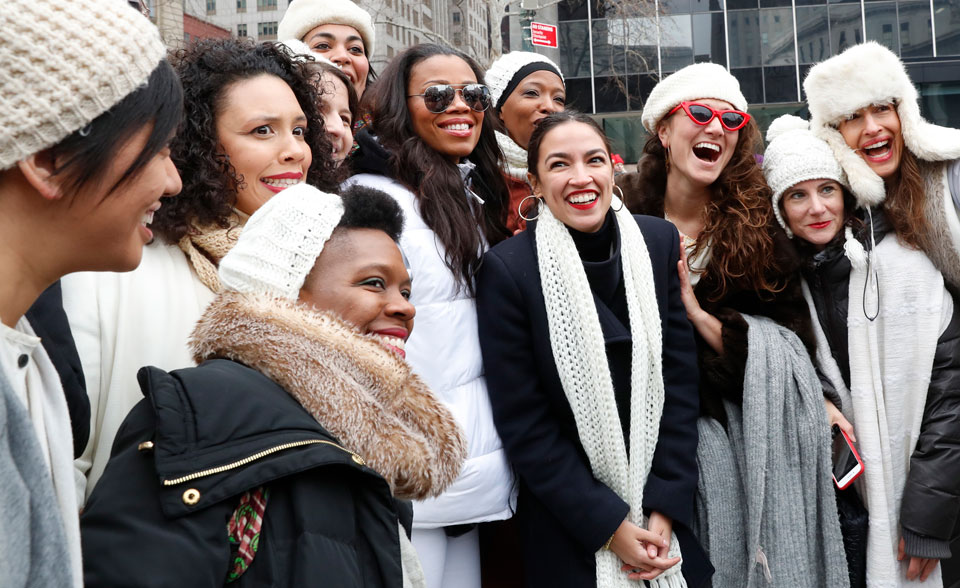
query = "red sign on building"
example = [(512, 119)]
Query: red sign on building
[(543, 34)]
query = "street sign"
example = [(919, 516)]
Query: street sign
[(543, 34)]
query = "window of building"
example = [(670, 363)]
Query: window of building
[(242, 30), (709, 38), (211, 6), (456, 18), (947, 16), (881, 20), (241, 5), (776, 36), (676, 46), (916, 38), (780, 84), (845, 27), (813, 38), (267, 31), (744, 38), (266, 4)]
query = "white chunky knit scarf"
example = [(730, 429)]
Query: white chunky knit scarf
[(514, 157), (577, 342)]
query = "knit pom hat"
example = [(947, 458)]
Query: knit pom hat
[(302, 16), (511, 68), (793, 155), (694, 82), (281, 242), (63, 63), (863, 75)]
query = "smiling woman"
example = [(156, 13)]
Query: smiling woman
[(432, 148), (252, 128)]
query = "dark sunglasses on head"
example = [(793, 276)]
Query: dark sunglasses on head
[(438, 98), (732, 120)]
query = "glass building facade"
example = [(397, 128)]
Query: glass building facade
[(769, 45)]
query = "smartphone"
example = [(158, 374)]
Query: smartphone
[(847, 465)]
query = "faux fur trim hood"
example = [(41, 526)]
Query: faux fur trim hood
[(365, 395), (862, 75)]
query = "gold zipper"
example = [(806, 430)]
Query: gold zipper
[(259, 455)]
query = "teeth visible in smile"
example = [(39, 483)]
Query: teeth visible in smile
[(393, 341), (284, 183), (707, 146), (147, 217), (877, 145), (582, 198), (458, 127)]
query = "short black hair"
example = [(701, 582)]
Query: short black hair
[(369, 208), (87, 152)]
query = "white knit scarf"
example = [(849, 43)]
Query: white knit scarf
[(514, 157), (891, 359), (580, 355)]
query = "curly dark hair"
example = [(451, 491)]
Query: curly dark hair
[(432, 177), (369, 208), (738, 221), (207, 69)]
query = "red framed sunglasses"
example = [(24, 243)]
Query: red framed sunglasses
[(732, 120)]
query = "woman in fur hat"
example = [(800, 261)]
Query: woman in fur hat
[(232, 159), (863, 104), (587, 353), (303, 428), (525, 87), (879, 327)]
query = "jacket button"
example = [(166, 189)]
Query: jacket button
[(145, 446), (357, 459), (23, 360), (191, 497)]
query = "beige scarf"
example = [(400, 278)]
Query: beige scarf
[(206, 246), (363, 394)]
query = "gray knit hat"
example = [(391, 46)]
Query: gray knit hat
[(63, 63), (509, 70), (694, 82), (302, 16), (793, 155), (281, 242)]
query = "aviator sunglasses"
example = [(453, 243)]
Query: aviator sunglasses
[(732, 120), (438, 98)]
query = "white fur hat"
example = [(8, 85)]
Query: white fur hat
[(697, 81), (793, 155), (862, 75), (302, 16), (280, 243), (63, 63), (503, 72)]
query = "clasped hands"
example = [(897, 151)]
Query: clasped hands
[(644, 552)]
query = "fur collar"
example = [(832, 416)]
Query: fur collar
[(365, 395)]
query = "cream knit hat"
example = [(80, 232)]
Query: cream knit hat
[(793, 155), (302, 16), (862, 75), (281, 242), (63, 63), (694, 82), (509, 70)]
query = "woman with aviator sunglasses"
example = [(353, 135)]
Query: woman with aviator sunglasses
[(432, 147)]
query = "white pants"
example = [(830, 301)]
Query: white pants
[(448, 562)]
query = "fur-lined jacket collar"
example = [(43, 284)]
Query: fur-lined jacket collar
[(362, 393)]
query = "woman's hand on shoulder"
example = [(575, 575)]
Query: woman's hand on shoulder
[(644, 552)]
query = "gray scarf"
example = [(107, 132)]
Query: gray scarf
[(33, 546), (765, 522)]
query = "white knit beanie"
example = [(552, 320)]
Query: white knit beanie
[(302, 16), (504, 70), (280, 243), (63, 63), (862, 75), (793, 155), (694, 82)]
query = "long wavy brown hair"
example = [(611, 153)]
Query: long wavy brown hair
[(737, 221), (904, 204)]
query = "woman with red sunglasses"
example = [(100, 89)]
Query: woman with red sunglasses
[(699, 171)]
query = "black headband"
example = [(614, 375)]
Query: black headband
[(522, 73)]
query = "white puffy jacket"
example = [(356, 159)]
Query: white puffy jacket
[(444, 349)]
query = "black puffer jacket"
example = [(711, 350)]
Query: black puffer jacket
[(329, 519), (930, 510)]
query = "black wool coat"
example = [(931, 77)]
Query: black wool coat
[(565, 514), (329, 519)]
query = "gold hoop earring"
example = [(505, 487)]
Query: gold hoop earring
[(619, 189), (539, 204)]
